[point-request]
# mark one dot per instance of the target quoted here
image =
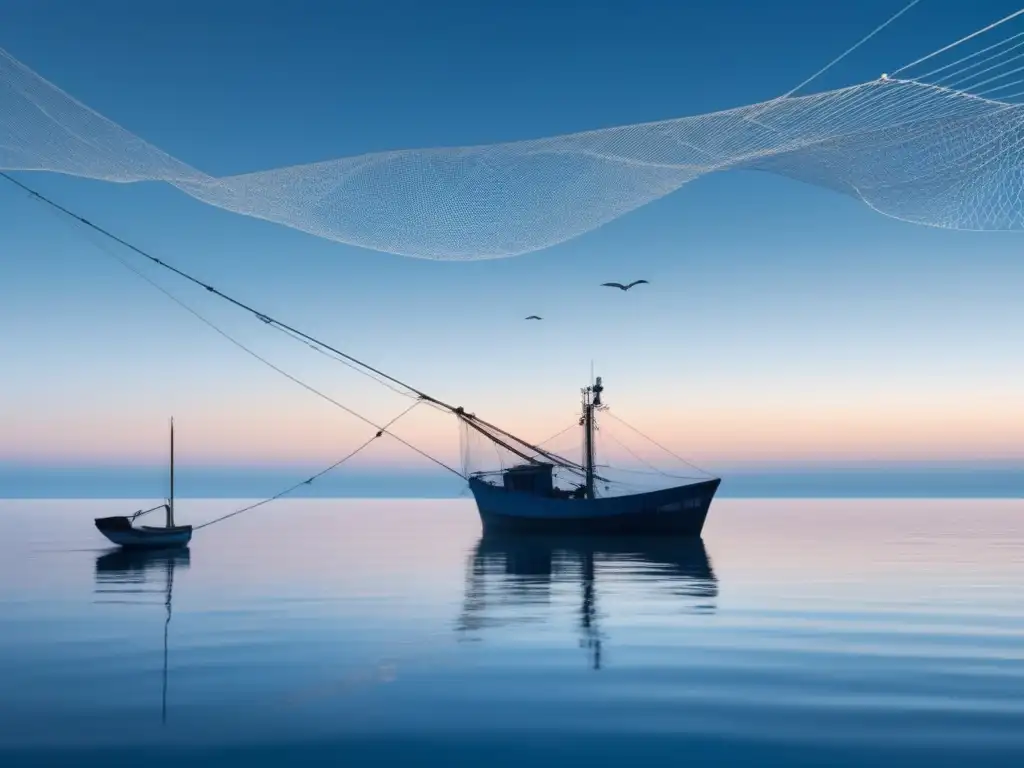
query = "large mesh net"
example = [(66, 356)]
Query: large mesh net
[(930, 153)]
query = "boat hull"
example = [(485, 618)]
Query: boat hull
[(120, 531), (678, 511)]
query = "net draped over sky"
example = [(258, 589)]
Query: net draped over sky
[(918, 152)]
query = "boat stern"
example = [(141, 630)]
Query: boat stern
[(113, 524)]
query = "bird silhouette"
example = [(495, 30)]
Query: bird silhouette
[(624, 287), (535, 317)]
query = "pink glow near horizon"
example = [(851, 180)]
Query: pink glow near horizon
[(991, 430)]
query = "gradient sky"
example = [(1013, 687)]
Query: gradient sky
[(783, 323)]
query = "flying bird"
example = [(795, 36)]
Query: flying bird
[(624, 287), (535, 317)]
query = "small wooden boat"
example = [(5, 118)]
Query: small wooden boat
[(121, 531)]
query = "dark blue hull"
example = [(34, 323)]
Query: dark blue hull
[(120, 531), (679, 511)]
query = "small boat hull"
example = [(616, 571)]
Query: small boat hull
[(679, 511), (120, 531)]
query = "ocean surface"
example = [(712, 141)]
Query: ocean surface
[(375, 632)]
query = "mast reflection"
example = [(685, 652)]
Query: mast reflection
[(509, 579), (124, 577)]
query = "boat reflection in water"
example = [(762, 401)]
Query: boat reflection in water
[(141, 578), (510, 579)]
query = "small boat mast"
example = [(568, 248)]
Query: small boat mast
[(170, 498)]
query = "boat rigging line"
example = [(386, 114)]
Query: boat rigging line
[(308, 481), (491, 431), (851, 49), (650, 439), (142, 512), (248, 350), (954, 44), (574, 425)]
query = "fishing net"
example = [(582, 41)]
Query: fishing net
[(628, 461), (488, 451), (922, 152)]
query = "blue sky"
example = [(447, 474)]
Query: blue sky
[(783, 325)]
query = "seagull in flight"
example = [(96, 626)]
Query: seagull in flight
[(535, 317), (624, 287)]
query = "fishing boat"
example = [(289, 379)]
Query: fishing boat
[(122, 531), (526, 499)]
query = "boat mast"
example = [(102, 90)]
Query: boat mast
[(170, 500), (591, 400)]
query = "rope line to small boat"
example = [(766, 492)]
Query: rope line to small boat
[(308, 480), (490, 431), (251, 352)]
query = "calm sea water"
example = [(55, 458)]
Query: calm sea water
[(342, 632)]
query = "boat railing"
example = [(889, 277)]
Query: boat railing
[(142, 512)]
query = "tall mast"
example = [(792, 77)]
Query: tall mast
[(591, 400), (588, 442), (170, 500)]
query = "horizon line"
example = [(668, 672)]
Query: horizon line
[(831, 464), (460, 497)]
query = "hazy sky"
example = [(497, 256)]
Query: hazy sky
[(783, 323)]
